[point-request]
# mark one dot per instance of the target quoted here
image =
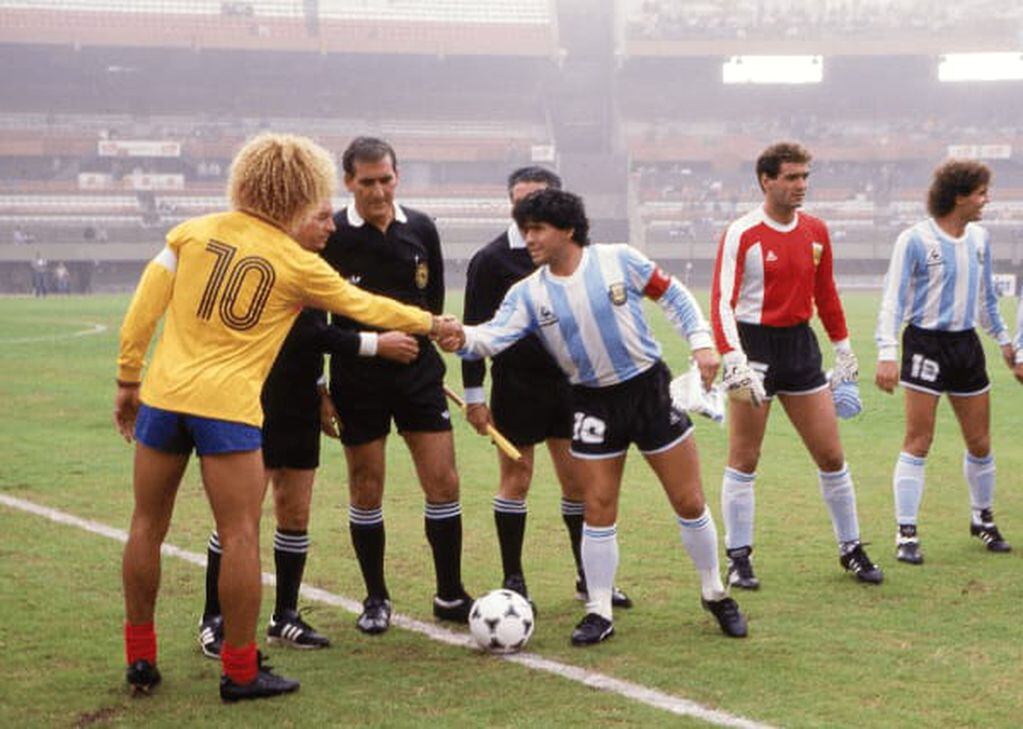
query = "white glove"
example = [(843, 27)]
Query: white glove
[(688, 395), (846, 369), (740, 381)]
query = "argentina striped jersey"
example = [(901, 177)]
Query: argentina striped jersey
[(939, 283), (592, 321)]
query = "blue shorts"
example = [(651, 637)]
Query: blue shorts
[(172, 432)]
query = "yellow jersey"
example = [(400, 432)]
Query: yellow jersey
[(231, 285)]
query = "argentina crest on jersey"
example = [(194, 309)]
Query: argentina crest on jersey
[(616, 292), (934, 257)]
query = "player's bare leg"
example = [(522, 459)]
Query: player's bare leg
[(155, 484), (746, 428), (908, 477), (603, 480), (293, 494), (974, 416), (678, 470), (813, 416)]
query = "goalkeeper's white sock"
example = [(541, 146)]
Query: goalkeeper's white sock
[(737, 507), (840, 497)]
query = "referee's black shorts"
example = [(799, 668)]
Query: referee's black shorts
[(530, 407), (937, 362), (369, 393), (788, 359), (291, 442)]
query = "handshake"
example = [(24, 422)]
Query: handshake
[(447, 332)]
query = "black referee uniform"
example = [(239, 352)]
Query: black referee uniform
[(524, 370), (291, 398), (406, 264)]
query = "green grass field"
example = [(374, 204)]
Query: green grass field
[(938, 645)]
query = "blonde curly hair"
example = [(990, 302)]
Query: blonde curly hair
[(280, 177)]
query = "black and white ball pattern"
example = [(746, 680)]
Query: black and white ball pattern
[(501, 621)]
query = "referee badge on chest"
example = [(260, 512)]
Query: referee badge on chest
[(422, 275), (616, 292), (818, 251)]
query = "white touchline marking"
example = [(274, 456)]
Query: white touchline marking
[(634, 691), (92, 329)]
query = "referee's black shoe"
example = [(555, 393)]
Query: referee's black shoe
[(618, 598), (143, 677), (289, 629), (987, 532), (592, 629), (726, 610), (266, 684), (517, 583), (455, 610), (376, 615)]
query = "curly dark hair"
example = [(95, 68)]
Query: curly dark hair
[(366, 149), (771, 159), (559, 208), (954, 178)]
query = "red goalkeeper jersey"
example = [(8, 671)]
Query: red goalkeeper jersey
[(772, 274)]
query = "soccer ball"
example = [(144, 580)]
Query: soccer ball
[(501, 621)]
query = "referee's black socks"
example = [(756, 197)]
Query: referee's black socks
[(369, 540), (510, 519), (572, 514), (213, 552), (444, 532), (290, 550)]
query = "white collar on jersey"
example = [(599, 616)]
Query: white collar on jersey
[(355, 220), (775, 225), (515, 239)]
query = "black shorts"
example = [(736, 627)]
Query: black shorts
[(529, 408), (787, 359), (291, 443), (608, 419), (369, 393), (938, 362)]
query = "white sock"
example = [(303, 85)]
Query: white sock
[(700, 539), (980, 475), (737, 508), (840, 498), (908, 485), (600, 562)]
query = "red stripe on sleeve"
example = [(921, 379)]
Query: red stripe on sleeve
[(657, 285)]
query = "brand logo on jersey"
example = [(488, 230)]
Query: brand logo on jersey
[(818, 252), (354, 280), (616, 292), (422, 275), (934, 257), (546, 317), (770, 257)]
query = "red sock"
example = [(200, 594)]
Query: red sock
[(239, 663), (140, 642)]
